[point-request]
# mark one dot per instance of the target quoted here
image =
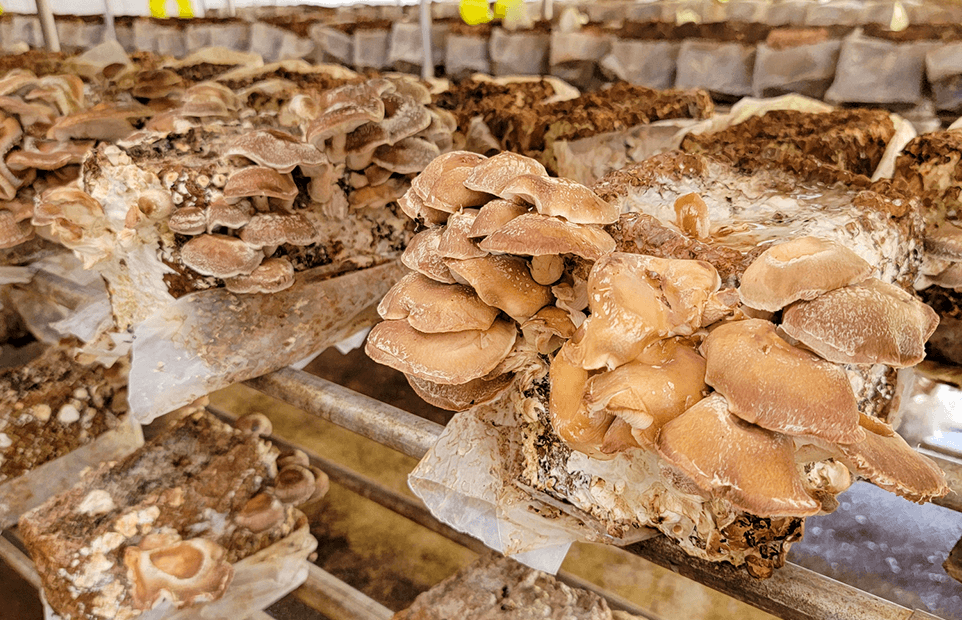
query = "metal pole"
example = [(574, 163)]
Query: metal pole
[(49, 27), (109, 24), (427, 62), (547, 10), (231, 9)]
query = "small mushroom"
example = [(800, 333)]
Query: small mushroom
[(186, 572), (451, 358), (422, 256), (560, 198), (255, 423), (779, 387), (749, 466), (260, 181), (799, 269), (868, 323), (503, 282), (460, 397), (294, 485), (579, 428), (261, 513), (433, 307), (407, 156), (691, 215), (322, 484), (376, 197), (220, 256), (494, 215), (271, 276), (188, 221), (534, 234), (494, 173), (548, 329), (293, 457), (403, 117), (221, 213), (272, 229)]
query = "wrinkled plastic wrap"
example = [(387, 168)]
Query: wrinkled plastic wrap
[(466, 54), (575, 56), (75, 33), (152, 36), (519, 53), (804, 69), (232, 35), (273, 43), (943, 68), (836, 13), (722, 68), (406, 44), (333, 44), (876, 71), (588, 159), (209, 340), (646, 63), (23, 493), (19, 31), (259, 581), (370, 49), (466, 480)]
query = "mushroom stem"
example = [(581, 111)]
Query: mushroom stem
[(547, 269)]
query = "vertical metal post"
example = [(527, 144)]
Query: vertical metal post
[(51, 38), (427, 62), (109, 26), (547, 10), (231, 9)]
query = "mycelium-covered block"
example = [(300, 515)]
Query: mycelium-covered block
[(57, 417), (199, 516), (644, 369)]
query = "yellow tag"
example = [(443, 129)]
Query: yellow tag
[(508, 8), (184, 9), (475, 12), (158, 9)]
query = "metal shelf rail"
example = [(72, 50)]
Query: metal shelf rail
[(793, 593)]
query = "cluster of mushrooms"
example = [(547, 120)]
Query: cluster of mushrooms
[(740, 393)]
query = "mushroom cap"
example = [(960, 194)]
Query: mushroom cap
[(293, 457), (260, 513), (454, 241), (691, 214), (188, 221), (650, 391), (534, 234), (220, 256), (872, 322), (779, 387), (579, 428), (105, 121), (887, 461), (422, 256), (256, 423), (450, 358), (10, 133), (439, 167), (449, 193), (275, 149), (403, 116), (29, 113), (548, 329), (186, 572), (294, 485), (944, 241), (48, 155), (432, 307), (67, 203), (364, 140), (503, 282), (375, 197), (799, 269), (637, 299), (460, 397), (749, 466), (411, 204), (343, 120), (495, 173), (222, 213), (560, 198), (156, 83), (493, 215), (260, 181), (279, 228), (13, 232), (407, 156), (271, 276)]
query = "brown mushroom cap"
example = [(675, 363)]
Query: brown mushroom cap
[(260, 181), (186, 572), (343, 120), (422, 256), (188, 221), (48, 155), (13, 232), (887, 461), (944, 241), (220, 256), (503, 282), (267, 229), (256, 423), (403, 116), (872, 322), (294, 485), (28, 113), (548, 329), (799, 269), (261, 513), (494, 173), (454, 241), (560, 198), (493, 215), (779, 387), (104, 121), (450, 358), (534, 234), (433, 307), (749, 466), (156, 83), (222, 213), (648, 392), (581, 429), (407, 156), (450, 195), (271, 276), (275, 149), (637, 299), (439, 167), (460, 397), (691, 215)]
